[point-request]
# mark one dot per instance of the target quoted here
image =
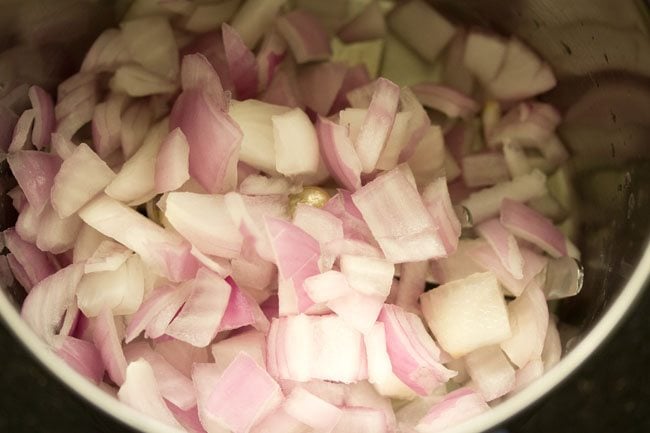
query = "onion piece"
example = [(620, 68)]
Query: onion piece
[(552, 351), (241, 63), (377, 124), (516, 160), (44, 121), (414, 355), (296, 254), (369, 24), (252, 343), (455, 74), (203, 220), (438, 203), (448, 101), (318, 223), (270, 55), (35, 172), (529, 318), (455, 407), (465, 315), (140, 390), (49, 299), (106, 339), (82, 175), (156, 302), (484, 55), (36, 264), (136, 122), (243, 395), (368, 275), (242, 310), (305, 35), (312, 410), (533, 227), (283, 89), (356, 76), (421, 27), (361, 420), (198, 321), (82, 356), (198, 73), (491, 372), (108, 256), (484, 169), (77, 98), (390, 198), (486, 203), (528, 123), (150, 42), (419, 124), (172, 162), (208, 130), (294, 135), (174, 387), (528, 374), (427, 160), (412, 282), (398, 138), (338, 154), (106, 53), (107, 123), (254, 120), (205, 377), (254, 18), (319, 85), (206, 17), (504, 245), (57, 235), (165, 252)]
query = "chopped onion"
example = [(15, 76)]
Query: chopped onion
[(445, 99), (150, 42), (311, 410), (455, 407), (82, 356), (437, 201), (241, 63), (35, 172), (552, 351), (106, 339), (252, 343), (106, 53), (305, 35), (320, 84), (484, 169), (504, 245), (44, 121), (338, 154), (369, 24), (36, 264), (491, 372), (293, 135)]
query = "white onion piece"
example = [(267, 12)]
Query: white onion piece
[(528, 123), (49, 299), (421, 27), (305, 35), (358, 310), (106, 339), (484, 55), (414, 355), (428, 156), (529, 318), (205, 377), (108, 256), (198, 73), (173, 385), (135, 182), (311, 410), (455, 74), (438, 203), (354, 227), (491, 372), (150, 42), (141, 391), (487, 260), (241, 63), (77, 98), (82, 356), (172, 162), (457, 265), (338, 154), (206, 17), (106, 53), (55, 234), (521, 75), (516, 160), (35, 172), (22, 130), (528, 374), (156, 302), (412, 281), (165, 252), (361, 420), (198, 321), (484, 169), (254, 120), (82, 175), (203, 220), (455, 407), (369, 24), (44, 121), (62, 146), (18, 273), (319, 84), (467, 314), (377, 124), (552, 351), (419, 124), (356, 76), (486, 202), (107, 123), (389, 199), (136, 122), (504, 245), (368, 275), (294, 134), (243, 395), (448, 101), (296, 254), (283, 89), (136, 81), (254, 18), (318, 223), (252, 343), (533, 227), (37, 264)]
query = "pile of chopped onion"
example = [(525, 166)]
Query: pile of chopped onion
[(226, 218)]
